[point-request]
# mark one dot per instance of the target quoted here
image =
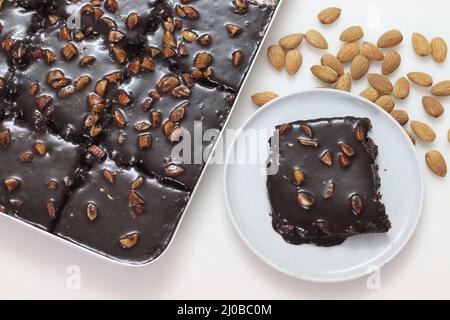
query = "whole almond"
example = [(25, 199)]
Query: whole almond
[(261, 98), (436, 162), (348, 52), (344, 83), (293, 61), (421, 45), (441, 89), (352, 34), (391, 62), (386, 103), (315, 39), (329, 15), (433, 106), (423, 131), (276, 56), (359, 67), (331, 61), (420, 78), (410, 135), (324, 73), (370, 94), (438, 49), (401, 88), (291, 41), (381, 83), (401, 116), (371, 51), (390, 39)]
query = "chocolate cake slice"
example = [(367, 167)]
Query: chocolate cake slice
[(327, 185)]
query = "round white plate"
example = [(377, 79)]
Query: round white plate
[(401, 187)]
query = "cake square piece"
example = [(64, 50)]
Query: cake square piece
[(327, 185)]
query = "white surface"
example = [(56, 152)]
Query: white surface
[(208, 259), (400, 173)]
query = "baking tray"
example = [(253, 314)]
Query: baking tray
[(105, 258)]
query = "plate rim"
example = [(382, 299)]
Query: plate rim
[(266, 260)]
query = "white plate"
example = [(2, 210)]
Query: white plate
[(401, 186)]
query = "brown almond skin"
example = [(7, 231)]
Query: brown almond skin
[(386, 103), (391, 62), (331, 61), (390, 39), (348, 52), (352, 34), (438, 49), (423, 131), (441, 89), (359, 67), (421, 45), (315, 39), (401, 88), (371, 51), (370, 94), (401, 116), (344, 82), (324, 73), (381, 83), (291, 41), (436, 162), (261, 98), (421, 79), (293, 61), (276, 56), (433, 106), (329, 15)]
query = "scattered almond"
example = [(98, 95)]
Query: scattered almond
[(359, 67), (344, 83), (401, 88), (441, 89), (391, 62), (352, 34), (390, 39), (261, 98), (433, 106), (315, 39), (324, 73), (421, 45), (420, 78), (386, 103), (411, 136), (348, 52), (371, 51), (291, 41), (381, 83), (423, 131), (293, 61), (370, 94), (438, 49), (436, 162), (401, 116), (276, 56), (331, 61), (329, 15)]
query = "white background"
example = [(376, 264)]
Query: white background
[(207, 259)]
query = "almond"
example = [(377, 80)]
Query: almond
[(381, 83), (359, 67), (423, 131), (331, 61), (433, 106), (315, 39), (291, 41), (329, 15), (344, 83), (401, 88), (386, 103), (438, 49), (324, 73), (436, 162), (391, 62), (370, 94), (352, 34), (390, 39), (371, 51), (420, 44), (448, 135), (276, 56), (401, 116), (420, 78), (261, 98), (293, 61), (348, 52), (411, 137), (441, 89)]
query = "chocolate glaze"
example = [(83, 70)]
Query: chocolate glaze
[(331, 219), (108, 119)]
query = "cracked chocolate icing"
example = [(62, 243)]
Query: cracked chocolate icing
[(110, 87), (327, 186)]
